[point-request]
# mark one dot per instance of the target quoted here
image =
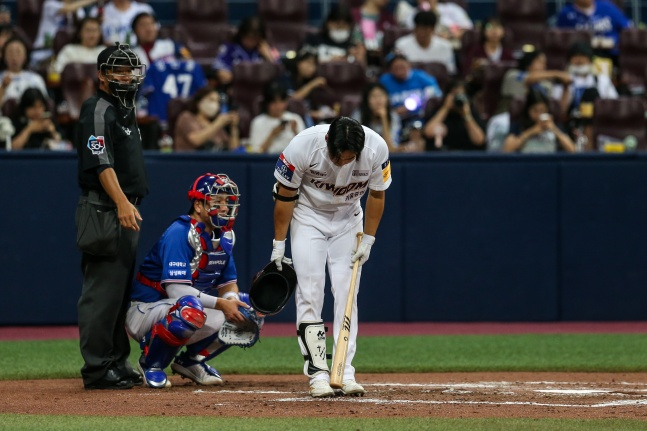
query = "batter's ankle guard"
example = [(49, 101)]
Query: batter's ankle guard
[(312, 340)]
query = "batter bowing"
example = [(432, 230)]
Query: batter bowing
[(322, 174)]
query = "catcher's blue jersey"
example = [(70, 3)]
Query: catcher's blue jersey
[(170, 79), (185, 254)]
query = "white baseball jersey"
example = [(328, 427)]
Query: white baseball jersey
[(306, 165)]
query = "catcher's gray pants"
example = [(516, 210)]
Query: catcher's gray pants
[(102, 308)]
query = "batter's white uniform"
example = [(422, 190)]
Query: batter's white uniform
[(326, 220)]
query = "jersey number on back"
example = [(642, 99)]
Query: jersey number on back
[(170, 86)]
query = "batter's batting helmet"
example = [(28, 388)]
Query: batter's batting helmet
[(271, 288)]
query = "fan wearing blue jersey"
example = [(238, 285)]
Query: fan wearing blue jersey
[(186, 288)]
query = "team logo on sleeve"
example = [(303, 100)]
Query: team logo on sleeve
[(386, 170), (284, 168), (96, 144)]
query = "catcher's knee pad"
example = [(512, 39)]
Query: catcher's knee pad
[(173, 331), (312, 338)]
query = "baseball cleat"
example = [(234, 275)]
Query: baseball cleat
[(200, 372), (321, 389), (351, 387), (154, 377)]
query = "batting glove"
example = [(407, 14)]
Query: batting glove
[(278, 254), (364, 249)]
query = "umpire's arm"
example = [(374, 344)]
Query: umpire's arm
[(374, 210), (283, 210)]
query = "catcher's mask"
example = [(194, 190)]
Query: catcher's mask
[(221, 195), (271, 289), (124, 72)]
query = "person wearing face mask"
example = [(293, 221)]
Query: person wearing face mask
[(334, 41), (204, 127)]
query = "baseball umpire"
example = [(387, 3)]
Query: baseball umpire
[(113, 182), (322, 175)]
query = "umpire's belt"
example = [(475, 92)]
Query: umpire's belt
[(103, 197)]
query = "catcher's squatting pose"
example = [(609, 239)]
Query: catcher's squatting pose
[(186, 293)]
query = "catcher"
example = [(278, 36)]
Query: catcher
[(185, 294)]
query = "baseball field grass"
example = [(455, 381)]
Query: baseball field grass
[(279, 355)]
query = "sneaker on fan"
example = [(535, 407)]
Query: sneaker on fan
[(153, 377), (198, 371), (321, 389), (351, 387)]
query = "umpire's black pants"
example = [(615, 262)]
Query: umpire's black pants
[(105, 298)]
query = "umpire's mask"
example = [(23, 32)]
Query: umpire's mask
[(124, 72)]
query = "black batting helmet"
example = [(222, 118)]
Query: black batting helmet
[(271, 289)]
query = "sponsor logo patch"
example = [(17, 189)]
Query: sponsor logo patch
[(96, 144), (386, 171), (318, 173), (357, 173), (284, 168)]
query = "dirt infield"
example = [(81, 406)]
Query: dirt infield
[(528, 395)]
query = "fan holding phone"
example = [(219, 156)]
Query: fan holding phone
[(34, 126)]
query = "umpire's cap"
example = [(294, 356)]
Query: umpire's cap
[(271, 289)]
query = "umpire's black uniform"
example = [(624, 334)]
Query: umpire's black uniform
[(107, 137)]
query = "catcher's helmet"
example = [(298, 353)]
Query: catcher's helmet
[(271, 289), (220, 192), (124, 72)]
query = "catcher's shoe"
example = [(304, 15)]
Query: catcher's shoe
[(198, 371), (154, 377), (321, 389), (351, 387)]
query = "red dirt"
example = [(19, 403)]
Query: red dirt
[(527, 395)]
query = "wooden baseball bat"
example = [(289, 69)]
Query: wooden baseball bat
[(341, 348)]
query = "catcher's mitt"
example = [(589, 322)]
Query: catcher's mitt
[(243, 335), (271, 289)]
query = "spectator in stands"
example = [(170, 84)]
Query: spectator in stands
[(117, 17), (203, 126), (601, 17), (272, 131), (452, 18), (409, 89), (490, 48), (85, 46), (530, 73), (371, 19), (150, 47), (537, 131), (249, 44), (55, 15), (423, 47), (334, 41), (455, 124), (306, 87), (34, 127), (15, 78), (375, 112)]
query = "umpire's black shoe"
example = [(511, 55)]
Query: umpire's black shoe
[(113, 379), (131, 374)]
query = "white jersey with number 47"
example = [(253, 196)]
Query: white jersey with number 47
[(306, 165)]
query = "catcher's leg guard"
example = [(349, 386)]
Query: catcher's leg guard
[(312, 340), (167, 337)]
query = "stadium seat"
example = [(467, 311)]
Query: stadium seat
[(298, 107), (619, 118), (435, 69), (285, 22), (9, 108), (173, 111), (432, 106), (391, 34), (349, 104), (492, 80), (28, 14), (526, 19), (79, 81), (203, 39), (557, 42), (62, 38), (343, 77), (248, 82), (633, 57), (197, 11)]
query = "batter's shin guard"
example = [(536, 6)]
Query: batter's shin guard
[(312, 340)]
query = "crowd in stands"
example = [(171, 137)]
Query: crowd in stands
[(422, 74)]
